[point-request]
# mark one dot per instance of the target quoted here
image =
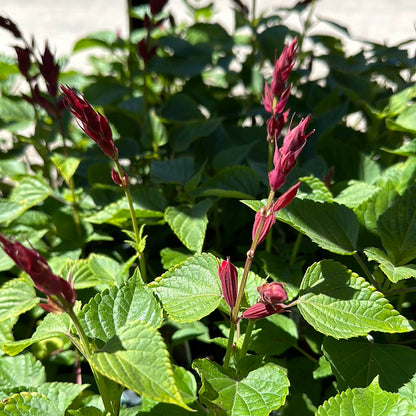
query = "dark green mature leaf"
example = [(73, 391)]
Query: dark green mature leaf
[(29, 404), (397, 229), (339, 303), (181, 108), (257, 394), (116, 307), (356, 362), (16, 297), (355, 193), (189, 223), (22, 370), (191, 290), (332, 226), (363, 402), (178, 170), (271, 39), (235, 182), (137, 358)]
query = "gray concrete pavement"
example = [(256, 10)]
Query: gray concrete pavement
[(62, 22)]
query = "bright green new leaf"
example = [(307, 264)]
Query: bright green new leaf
[(405, 121), (394, 273), (339, 303), (257, 394), (29, 404), (189, 223), (397, 229), (137, 358), (171, 257), (239, 182), (332, 226), (66, 165), (113, 308), (356, 362), (30, 191), (366, 401), (191, 290), (16, 297), (355, 193), (51, 326), (22, 370), (319, 191)]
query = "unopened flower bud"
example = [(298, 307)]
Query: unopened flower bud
[(268, 220), (124, 183), (228, 275), (261, 310), (272, 293)]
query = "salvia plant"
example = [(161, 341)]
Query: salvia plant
[(201, 223)]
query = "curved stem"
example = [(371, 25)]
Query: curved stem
[(247, 338), (295, 250), (366, 271)]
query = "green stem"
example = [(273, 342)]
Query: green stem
[(136, 231), (86, 351), (230, 344), (247, 337), (295, 249), (307, 355), (367, 272)]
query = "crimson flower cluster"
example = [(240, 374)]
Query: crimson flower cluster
[(61, 295)]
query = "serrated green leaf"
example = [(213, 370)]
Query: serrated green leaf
[(22, 370), (397, 229), (402, 175), (51, 326), (30, 191), (355, 193), (257, 394), (339, 303), (405, 121), (332, 226), (86, 411), (171, 257), (369, 210), (320, 191), (113, 308), (104, 268), (28, 404), (178, 170), (394, 273), (235, 182), (356, 362), (66, 165), (191, 290), (363, 402), (189, 223), (16, 297), (137, 358)]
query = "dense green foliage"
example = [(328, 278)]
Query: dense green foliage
[(190, 128)]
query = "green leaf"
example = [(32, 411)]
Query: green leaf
[(189, 223), (394, 273), (332, 226), (137, 358), (178, 170), (339, 303), (113, 308), (320, 191), (397, 229), (28, 404), (363, 402), (51, 326), (22, 370), (16, 297), (181, 108), (257, 394), (30, 191), (104, 268), (171, 257), (355, 193), (356, 362), (86, 411), (66, 165), (235, 182), (191, 290), (405, 121), (182, 135)]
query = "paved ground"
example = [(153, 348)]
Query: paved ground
[(63, 22)]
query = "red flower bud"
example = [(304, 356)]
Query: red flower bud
[(285, 199), (10, 26), (94, 124), (272, 294), (261, 310), (60, 292), (50, 71), (228, 275), (23, 60), (269, 220), (156, 6), (124, 183), (283, 67)]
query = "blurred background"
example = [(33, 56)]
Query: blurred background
[(64, 22)]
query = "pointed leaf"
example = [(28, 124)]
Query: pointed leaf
[(189, 223), (16, 297), (191, 290), (355, 193), (320, 191), (51, 326), (28, 404), (363, 402), (332, 226), (257, 394), (397, 229), (339, 303), (66, 165), (137, 358), (113, 308), (30, 191)]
